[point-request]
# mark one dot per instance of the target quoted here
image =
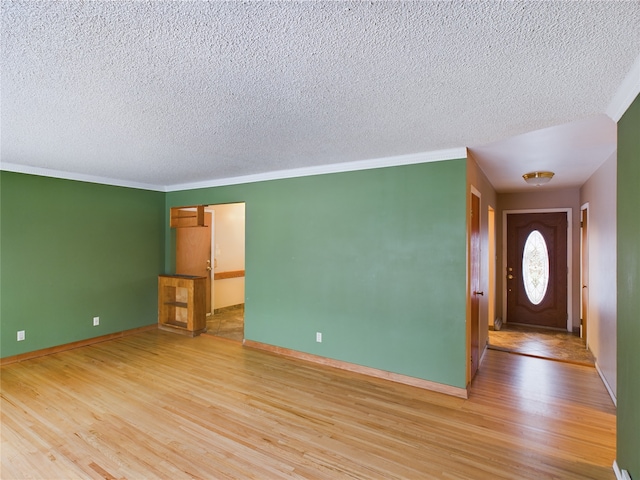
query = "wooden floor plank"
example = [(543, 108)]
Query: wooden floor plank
[(159, 405)]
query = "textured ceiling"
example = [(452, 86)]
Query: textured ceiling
[(166, 93)]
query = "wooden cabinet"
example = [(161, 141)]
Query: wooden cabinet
[(182, 304), (187, 217)]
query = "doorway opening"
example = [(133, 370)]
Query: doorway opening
[(538, 314), (216, 250), (226, 318)]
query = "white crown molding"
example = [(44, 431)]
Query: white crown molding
[(435, 156), (626, 94), (46, 172), (425, 157)]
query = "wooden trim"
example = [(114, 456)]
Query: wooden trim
[(70, 346), (352, 367), (229, 308), (230, 274)]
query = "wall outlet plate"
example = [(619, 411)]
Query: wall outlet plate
[(20, 335), (96, 321), (318, 337)]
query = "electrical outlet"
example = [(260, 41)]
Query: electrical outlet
[(318, 337), (96, 321), (20, 335)]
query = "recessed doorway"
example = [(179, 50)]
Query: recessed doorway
[(537, 269), (226, 318), (215, 248)]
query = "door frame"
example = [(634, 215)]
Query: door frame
[(568, 211)]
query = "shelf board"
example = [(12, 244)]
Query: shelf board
[(178, 304)]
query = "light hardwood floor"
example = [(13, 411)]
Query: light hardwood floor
[(160, 405)]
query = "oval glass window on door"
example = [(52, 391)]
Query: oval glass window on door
[(535, 267)]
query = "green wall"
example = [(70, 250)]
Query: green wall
[(71, 251), (374, 259), (628, 394)]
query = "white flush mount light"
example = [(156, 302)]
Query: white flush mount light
[(538, 178)]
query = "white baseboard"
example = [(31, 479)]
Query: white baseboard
[(606, 385), (620, 474)]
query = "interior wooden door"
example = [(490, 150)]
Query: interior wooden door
[(474, 286), (536, 275), (584, 275), (193, 253)]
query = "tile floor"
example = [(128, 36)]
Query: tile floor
[(539, 342), (227, 323)]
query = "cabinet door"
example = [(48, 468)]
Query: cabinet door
[(183, 217)]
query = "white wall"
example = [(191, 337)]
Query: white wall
[(600, 193), (228, 253)]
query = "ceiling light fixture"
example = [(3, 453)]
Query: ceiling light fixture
[(538, 178)]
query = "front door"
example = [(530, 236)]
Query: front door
[(193, 253), (536, 275)]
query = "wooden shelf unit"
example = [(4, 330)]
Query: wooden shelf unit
[(182, 304), (187, 216)]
